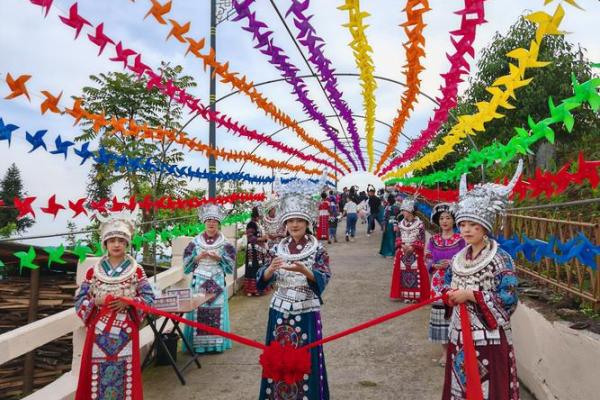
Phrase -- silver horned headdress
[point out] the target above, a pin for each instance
(485, 201)
(117, 224)
(211, 211)
(295, 199)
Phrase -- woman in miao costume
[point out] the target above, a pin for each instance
(410, 279)
(482, 276)
(323, 221)
(255, 253)
(391, 217)
(299, 266)
(274, 230)
(439, 251)
(110, 363)
(209, 257)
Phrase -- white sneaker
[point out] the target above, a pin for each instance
(368, 235)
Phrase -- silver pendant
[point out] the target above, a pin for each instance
(299, 247)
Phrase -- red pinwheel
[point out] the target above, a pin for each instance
(24, 206)
(100, 39)
(78, 207)
(45, 4)
(99, 206)
(74, 20)
(53, 207)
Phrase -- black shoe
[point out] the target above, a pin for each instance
(347, 238)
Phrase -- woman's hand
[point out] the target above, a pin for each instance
(302, 269)
(460, 296)
(117, 305)
(99, 300)
(276, 264)
(200, 256)
(296, 267)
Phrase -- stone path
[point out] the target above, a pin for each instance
(390, 361)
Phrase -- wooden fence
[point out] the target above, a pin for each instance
(572, 278)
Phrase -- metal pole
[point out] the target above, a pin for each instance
(212, 127)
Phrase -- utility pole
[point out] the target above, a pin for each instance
(212, 127)
(220, 10)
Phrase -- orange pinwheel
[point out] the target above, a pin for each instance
(17, 86)
(177, 31)
(242, 84)
(413, 27)
(76, 112)
(194, 47)
(50, 103)
(158, 11)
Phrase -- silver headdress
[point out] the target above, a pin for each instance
(485, 201)
(408, 204)
(440, 208)
(117, 224)
(211, 211)
(295, 199)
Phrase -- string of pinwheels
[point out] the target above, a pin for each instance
(87, 207)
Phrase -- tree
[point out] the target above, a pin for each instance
(123, 95)
(11, 186)
(553, 81)
(71, 241)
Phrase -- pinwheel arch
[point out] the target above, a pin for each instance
(343, 151)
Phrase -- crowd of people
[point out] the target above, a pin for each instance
(461, 263)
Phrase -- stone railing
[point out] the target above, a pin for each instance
(31, 336)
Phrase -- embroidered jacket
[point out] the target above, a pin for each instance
(492, 278)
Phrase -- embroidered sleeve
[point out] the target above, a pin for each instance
(321, 271)
(261, 283)
(189, 254)
(429, 255)
(420, 241)
(144, 292)
(228, 258)
(497, 305)
(85, 306)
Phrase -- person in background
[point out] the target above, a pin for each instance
(333, 219)
(323, 221)
(255, 253)
(374, 208)
(362, 209)
(343, 197)
(483, 277)
(110, 362)
(350, 212)
(391, 218)
(439, 251)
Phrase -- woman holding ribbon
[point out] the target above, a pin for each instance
(110, 362)
(483, 277)
(299, 266)
(440, 249)
(209, 257)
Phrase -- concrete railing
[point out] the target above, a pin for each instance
(554, 361)
(31, 336)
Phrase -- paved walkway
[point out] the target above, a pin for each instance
(389, 361)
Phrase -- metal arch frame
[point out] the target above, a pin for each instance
(345, 74)
(307, 146)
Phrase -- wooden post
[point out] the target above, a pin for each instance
(29, 367)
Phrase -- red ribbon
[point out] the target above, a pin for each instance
(471, 364)
(298, 360)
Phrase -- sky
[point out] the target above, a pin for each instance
(45, 48)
